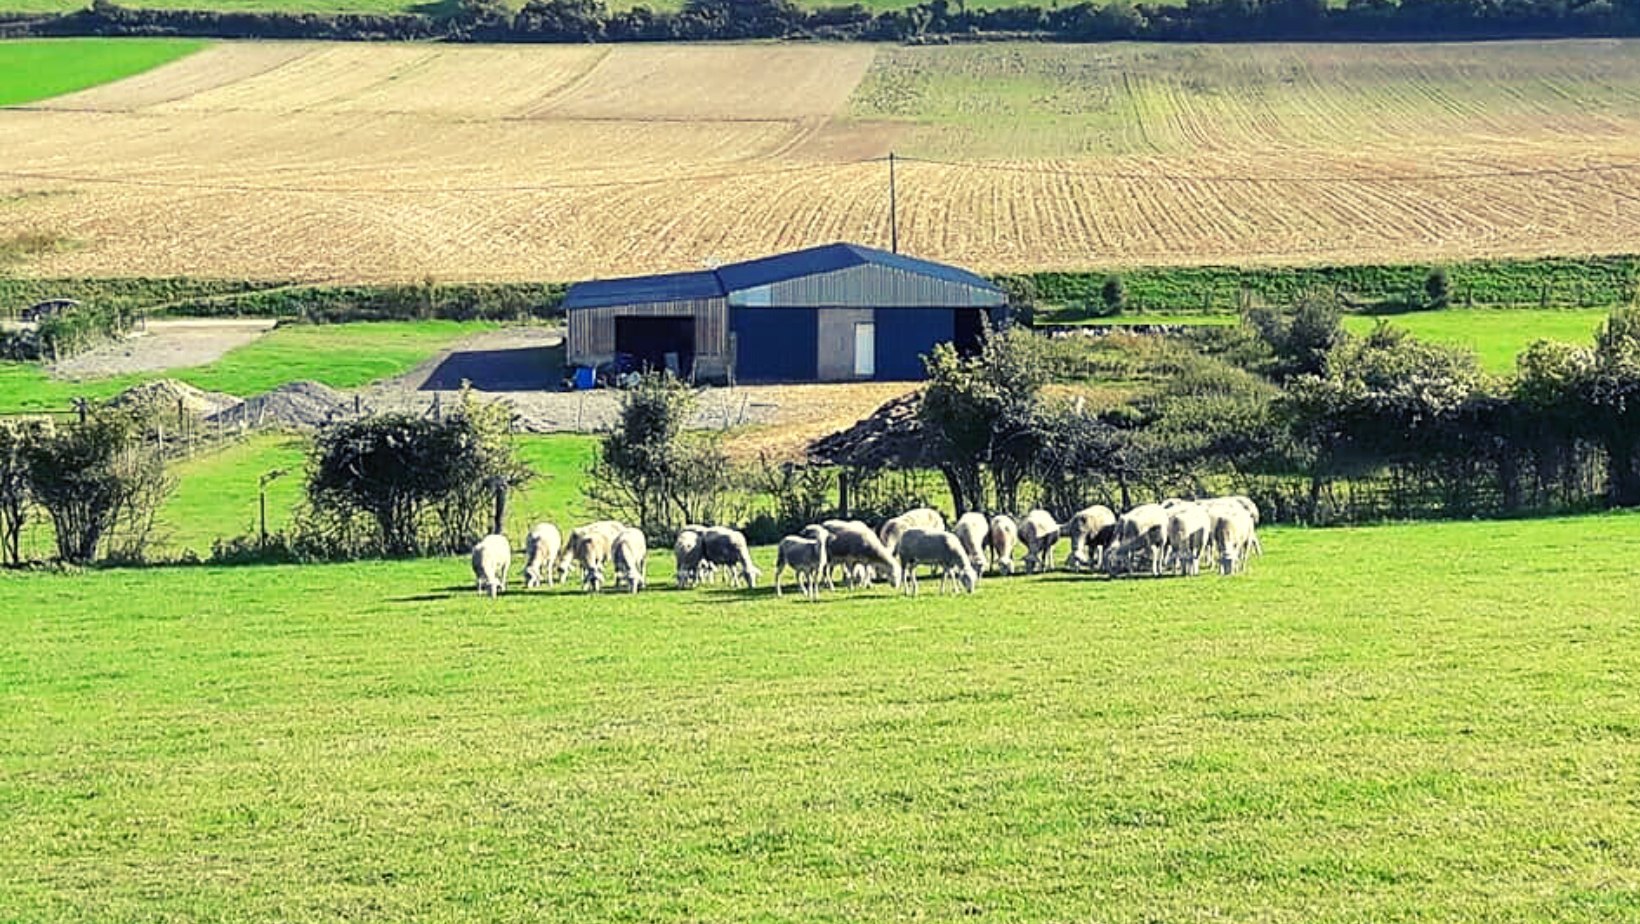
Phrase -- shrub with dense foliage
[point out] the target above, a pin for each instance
(101, 480)
(653, 472)
(405, 484)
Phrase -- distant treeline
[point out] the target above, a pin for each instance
(940, 20)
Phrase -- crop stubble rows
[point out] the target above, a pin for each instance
(403, 162)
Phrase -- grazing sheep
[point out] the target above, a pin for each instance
(806, 556)
(1039, 532)
(570, 556)
(858, 550)
(941, 549)
(973, 531)
(492, 556)
(1004, 536)
(920, 518)
(1234, 536)
(541, 547)
(726, 547)
(1188, 528)
(589, 547)
(686, 553)
(630, 550)
(1142, 530)
(1090, 531)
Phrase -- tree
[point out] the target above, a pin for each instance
(1596, 394)
(981, 415)
(1113, 295)
(97, 478)
(1300, 338)
(1437, 290)
(651, 470)
(421, 483)
(15, 437)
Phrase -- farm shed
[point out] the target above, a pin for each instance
(839, 312)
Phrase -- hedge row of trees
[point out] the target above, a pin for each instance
(1292, 410)
(593, 21)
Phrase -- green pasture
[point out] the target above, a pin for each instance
(1411, 723)
(338, 355)
(1496, 336)
(33, 70)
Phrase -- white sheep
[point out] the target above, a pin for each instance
(727, 548)
(859, 551)
(919, 518)
(940, 549)
(1234, 536)
(1188, 529)
(806, 556)
(1039, 532)
(541, 548)
(686, 552)
(631, 551)
(973, 531)
(570, 555)
(1004, 536)
(492, 556)
(1142, 530)
(1090, 531)
(589, 547)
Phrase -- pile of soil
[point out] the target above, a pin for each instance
(892, 435)
(164, 396)
(302, 405)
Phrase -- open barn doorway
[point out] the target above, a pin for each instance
(655, 344)
(968, 329)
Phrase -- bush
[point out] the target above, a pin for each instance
(101, 482)
(1113, 295)
(414, 484)
(1437, 291)
(651, 471)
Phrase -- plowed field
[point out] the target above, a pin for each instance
(375, 162)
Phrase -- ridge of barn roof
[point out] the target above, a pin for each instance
(828, 258)
(632, 290)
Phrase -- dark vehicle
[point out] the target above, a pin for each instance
(42, 310)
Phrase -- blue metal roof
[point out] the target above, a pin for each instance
(637, 290)
(829, 258)
(735, 277)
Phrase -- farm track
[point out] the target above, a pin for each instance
(344, 162)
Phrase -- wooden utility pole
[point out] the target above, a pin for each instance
(893, 209)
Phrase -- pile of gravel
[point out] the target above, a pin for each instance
(164, 396)
(299, 405)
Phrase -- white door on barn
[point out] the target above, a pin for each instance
(865, 350)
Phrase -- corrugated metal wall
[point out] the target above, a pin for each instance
(905, 334)
(592, 330)
(772, 346)
(866, 286)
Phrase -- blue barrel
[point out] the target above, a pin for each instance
(585, 377)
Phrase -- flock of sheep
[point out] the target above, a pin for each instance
(1172, 536)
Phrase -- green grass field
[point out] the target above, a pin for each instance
(1411, 723)
(338, 355)
(1497, 337)
(34, 70)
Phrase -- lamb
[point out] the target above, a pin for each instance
(853, 545)
(492, 556)
(1142, 530)
(727, 547)
(1234, 536)
(920, 518)
(806, 556)
(1090, 530)
(630, 551)
(1188, 528)
(1039, 532)
(1004, 535)
(972, 530)
(541, 547)
(941, 549)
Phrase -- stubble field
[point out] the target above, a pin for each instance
(370, 162)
